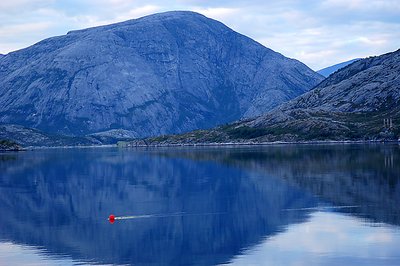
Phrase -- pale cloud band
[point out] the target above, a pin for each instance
(318, 33)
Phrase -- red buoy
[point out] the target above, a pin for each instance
(111, 218)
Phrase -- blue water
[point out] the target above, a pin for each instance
(273, 205)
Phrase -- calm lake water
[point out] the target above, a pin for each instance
(274, 205)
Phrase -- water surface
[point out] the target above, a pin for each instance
(272, 205)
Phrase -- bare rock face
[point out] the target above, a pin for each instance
(165, 73)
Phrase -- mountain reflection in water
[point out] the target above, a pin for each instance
(231, 199)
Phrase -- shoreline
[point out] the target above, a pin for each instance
(30, 148)
(227, 144)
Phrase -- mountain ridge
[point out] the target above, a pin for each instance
(165, 73)
(327, 71)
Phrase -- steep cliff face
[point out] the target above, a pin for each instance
(165, 73)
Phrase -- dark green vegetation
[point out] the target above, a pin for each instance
(321, 127)
(8, 145)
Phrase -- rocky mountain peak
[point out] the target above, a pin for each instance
(165, 73)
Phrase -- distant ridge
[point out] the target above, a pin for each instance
(331, 69)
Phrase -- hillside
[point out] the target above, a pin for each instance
(351, 104)
(161, 74)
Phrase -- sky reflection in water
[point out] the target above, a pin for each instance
(276, 205)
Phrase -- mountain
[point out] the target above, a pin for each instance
(164, 73)
(331, 69)
(350, 104)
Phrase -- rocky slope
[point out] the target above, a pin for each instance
(351, 104)
(331, 69)
(165, 73)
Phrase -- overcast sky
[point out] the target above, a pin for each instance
(318, 33)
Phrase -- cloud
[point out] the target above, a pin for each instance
(363, 5)
(323, 46)
(218, 12)
(316, 35)
(95, 20)
(323, 239)
(29, 256)
(13, 5)
(319, 33)
(16, 36)
(23, 29)
(139, 12)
